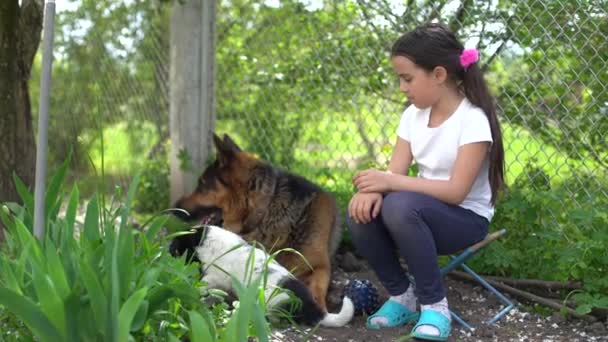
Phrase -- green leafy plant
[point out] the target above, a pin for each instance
(153, 191)
(555, 232)
(105, 280)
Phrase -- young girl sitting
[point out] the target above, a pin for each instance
(452, 133)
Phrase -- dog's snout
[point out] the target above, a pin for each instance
(178, 204)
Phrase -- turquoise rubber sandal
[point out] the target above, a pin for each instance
(395, 313)
(437, 320)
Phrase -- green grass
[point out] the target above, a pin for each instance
(521, 148)
(126, 148)
(331, 149)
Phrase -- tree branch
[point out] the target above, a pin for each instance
(486, 65)
(436, 11)
(505, 38)
(545, 284)
(482, 32)
(529, 296)
(383, 9)
(409, 15)
(367, 16)
(389, 15)
(456, 23)
(224, 32)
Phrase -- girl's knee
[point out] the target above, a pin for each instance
(357, 230)
(398, 207)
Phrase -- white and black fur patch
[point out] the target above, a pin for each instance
(210, 245)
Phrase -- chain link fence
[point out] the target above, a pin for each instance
(110, 89)
(308, 87)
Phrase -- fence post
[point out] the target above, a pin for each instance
(43, 119)
(191, 108)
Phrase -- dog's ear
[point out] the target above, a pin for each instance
(218, 142)
(226, 150)
(230, 144)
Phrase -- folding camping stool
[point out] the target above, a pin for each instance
(458, 261)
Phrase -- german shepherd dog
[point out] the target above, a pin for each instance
(273, 207)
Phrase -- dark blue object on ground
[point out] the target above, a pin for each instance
(363, 294)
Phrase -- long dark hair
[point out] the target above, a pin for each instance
(433, 45)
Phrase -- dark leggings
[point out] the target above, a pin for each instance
(420, 227)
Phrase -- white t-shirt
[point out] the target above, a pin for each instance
(435, 149)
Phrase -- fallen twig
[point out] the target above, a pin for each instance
(545, 284)
(529, 296)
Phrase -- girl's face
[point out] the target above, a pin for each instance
(421, 87)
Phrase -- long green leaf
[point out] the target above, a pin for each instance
(259, 323)
(131, 192)
(9, 279)
(209, 320)
(127, 312)
(70, 213)
(199, 330)
(52, 197)
(5, 217)
(140, 316)
(155, 226)
(74, 313)
(52, 213)
(150, 277)
(113, 283)
(22, 265)
(238, 326)
(160, 295)
(50, 301)
(125, 255)
(29, 242)
(91, 221)
(172, 338)
(24, 193)
(96, 294)
(56, 271)
(31, 315)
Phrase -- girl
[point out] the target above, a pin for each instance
(452, 133)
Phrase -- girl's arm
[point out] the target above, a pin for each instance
(401, 158)
(453, 191)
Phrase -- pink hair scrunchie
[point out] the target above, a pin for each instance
(468, 57)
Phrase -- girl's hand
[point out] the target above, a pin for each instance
(373, 181)
(364, 207)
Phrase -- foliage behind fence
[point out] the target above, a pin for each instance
(308, 86)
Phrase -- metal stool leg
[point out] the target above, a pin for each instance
(458, 261)
(484, 283)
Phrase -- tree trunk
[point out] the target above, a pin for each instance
(20, 28)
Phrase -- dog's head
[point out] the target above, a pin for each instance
(222, 185)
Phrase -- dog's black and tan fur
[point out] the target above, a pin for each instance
(273, 207)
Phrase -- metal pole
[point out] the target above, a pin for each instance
(43, 118)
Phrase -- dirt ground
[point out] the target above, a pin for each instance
(473, 303)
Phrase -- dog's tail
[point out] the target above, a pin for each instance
(342, 318)
(310, 313)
